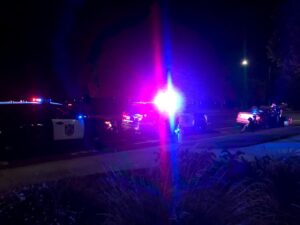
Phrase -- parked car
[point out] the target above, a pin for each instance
(29, 124)
(192, 121)
(263, 117)
(100, 125)
(144, 117)
(140, 117)
(99, 129)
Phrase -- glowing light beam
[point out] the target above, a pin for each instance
(168, 101)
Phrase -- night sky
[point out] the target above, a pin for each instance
(63, 49)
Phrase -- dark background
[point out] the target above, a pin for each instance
(74, 48)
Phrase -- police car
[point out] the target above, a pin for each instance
(29, 123)
(144, 117)
(140, 117)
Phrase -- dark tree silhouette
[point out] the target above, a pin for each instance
(283, 52)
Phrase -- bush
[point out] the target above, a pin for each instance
(209, 190)
(64, 202)
(198, 189)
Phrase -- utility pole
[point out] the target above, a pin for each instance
(245, 64)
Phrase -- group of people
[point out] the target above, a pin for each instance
(271, 117)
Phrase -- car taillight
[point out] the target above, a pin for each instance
(126, 117)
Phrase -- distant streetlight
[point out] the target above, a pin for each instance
(245, 62)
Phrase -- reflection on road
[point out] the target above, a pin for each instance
(224, 137)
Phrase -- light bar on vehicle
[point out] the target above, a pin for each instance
(18, 102)
(26, 102)
(36, 99)
(168, 101)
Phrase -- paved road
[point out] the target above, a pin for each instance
(137, 142)
(221, 124)
(115, 145)
(253, 144)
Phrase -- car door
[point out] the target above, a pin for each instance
(65, 125)
(186, 120)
